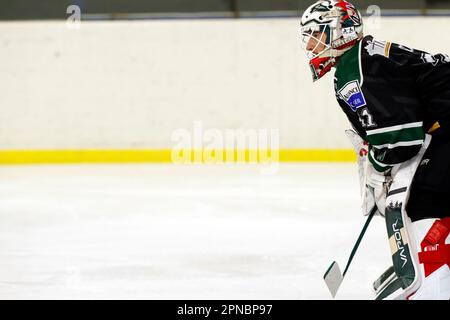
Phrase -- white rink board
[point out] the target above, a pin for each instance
(130, 84)
(183, 232)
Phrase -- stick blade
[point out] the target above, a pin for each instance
(333, 278)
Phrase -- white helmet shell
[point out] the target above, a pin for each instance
(329, 28)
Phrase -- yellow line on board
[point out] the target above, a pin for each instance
(317, 155)
(165, 156)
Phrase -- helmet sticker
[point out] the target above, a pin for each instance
(349, 32)
(324, 6)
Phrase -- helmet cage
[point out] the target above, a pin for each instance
(314, 36)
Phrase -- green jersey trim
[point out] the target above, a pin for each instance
(397, 136)
(349, 67)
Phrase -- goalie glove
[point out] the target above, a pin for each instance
(374, 185)
(377, 186)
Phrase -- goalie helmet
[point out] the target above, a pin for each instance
(328, 29)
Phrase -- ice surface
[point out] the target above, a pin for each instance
(183, 232)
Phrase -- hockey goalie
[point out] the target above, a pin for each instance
(397, 100)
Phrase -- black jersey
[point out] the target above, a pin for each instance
(392, 96)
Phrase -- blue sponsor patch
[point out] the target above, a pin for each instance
(352, 94)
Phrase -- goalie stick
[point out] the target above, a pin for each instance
(333, 276)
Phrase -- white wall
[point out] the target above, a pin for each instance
(131, 84)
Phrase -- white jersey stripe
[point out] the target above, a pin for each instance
(395, 128)
(361, 74)
(399, 144)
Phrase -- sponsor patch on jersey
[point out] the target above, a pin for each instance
(435, 59)
(352, 94)
(381, 48)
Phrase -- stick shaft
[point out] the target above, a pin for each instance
(361, 235)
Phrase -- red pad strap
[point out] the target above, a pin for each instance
(435, 253)
(441, 255)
